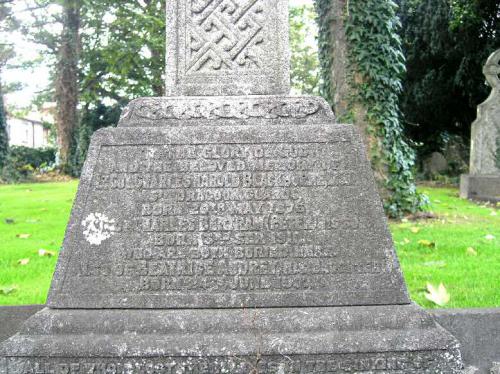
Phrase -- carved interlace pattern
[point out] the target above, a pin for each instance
(230, 109)
(225, 35)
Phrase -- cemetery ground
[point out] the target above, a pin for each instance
(456, 244)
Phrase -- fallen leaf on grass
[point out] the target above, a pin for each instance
(415, 230)
(32, 221)
(7, 290)
(489, 237)
(405, 241)
(45, 253)
(23, 236)
(493, 213)
(471, 251)
(10, 221)
(438, 295)
(427, 243)
(23, 261)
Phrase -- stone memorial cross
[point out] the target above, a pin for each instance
(483, 182)
(228, 228)
(219, 47)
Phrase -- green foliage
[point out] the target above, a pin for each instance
(4, 141)
(93, 119)
(122, 58)
(8, 23)
(23, 161)
(446, 44)
(377, 66)
(304, 59)
(123, 50)
(325, 39)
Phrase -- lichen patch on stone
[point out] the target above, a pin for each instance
(97, 228)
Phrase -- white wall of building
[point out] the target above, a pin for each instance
(27, 133)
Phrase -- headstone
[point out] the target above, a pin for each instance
(228, 234)
(483, 182)
(435, 164)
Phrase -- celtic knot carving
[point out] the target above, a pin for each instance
(157, 110)
(225, 35)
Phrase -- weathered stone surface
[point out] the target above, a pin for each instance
(395, 339)
(485, 151)
(12, 317)
(485, 148)
(226, 111)
(478, 331)
(480, 187)
(220, 47)
(435, 164)
(215, 217)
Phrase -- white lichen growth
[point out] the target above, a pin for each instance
(98, 228)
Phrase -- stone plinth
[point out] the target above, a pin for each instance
(236, 341)
(480, 187)
(483, 182)
(227, 247)
(227, 216)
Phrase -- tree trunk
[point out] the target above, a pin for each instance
(341, 90)
(4, 139)
(342, 77)
(158, 83)
(67, 81)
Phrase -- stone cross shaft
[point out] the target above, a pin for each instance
(485, 150)
(227, 47)
(483, 182)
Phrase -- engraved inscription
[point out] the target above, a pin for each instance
(225, 35)
(231, 217)
(407, 362)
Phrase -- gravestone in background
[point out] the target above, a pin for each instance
(483, 182)
(228, 234)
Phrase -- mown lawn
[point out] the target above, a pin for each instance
(460, 247)
(40, 211)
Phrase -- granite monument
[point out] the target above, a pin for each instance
(217, 233)
(483, 182)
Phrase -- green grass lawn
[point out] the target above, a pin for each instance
(34, 217)
(41, 211)
(437, 251)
